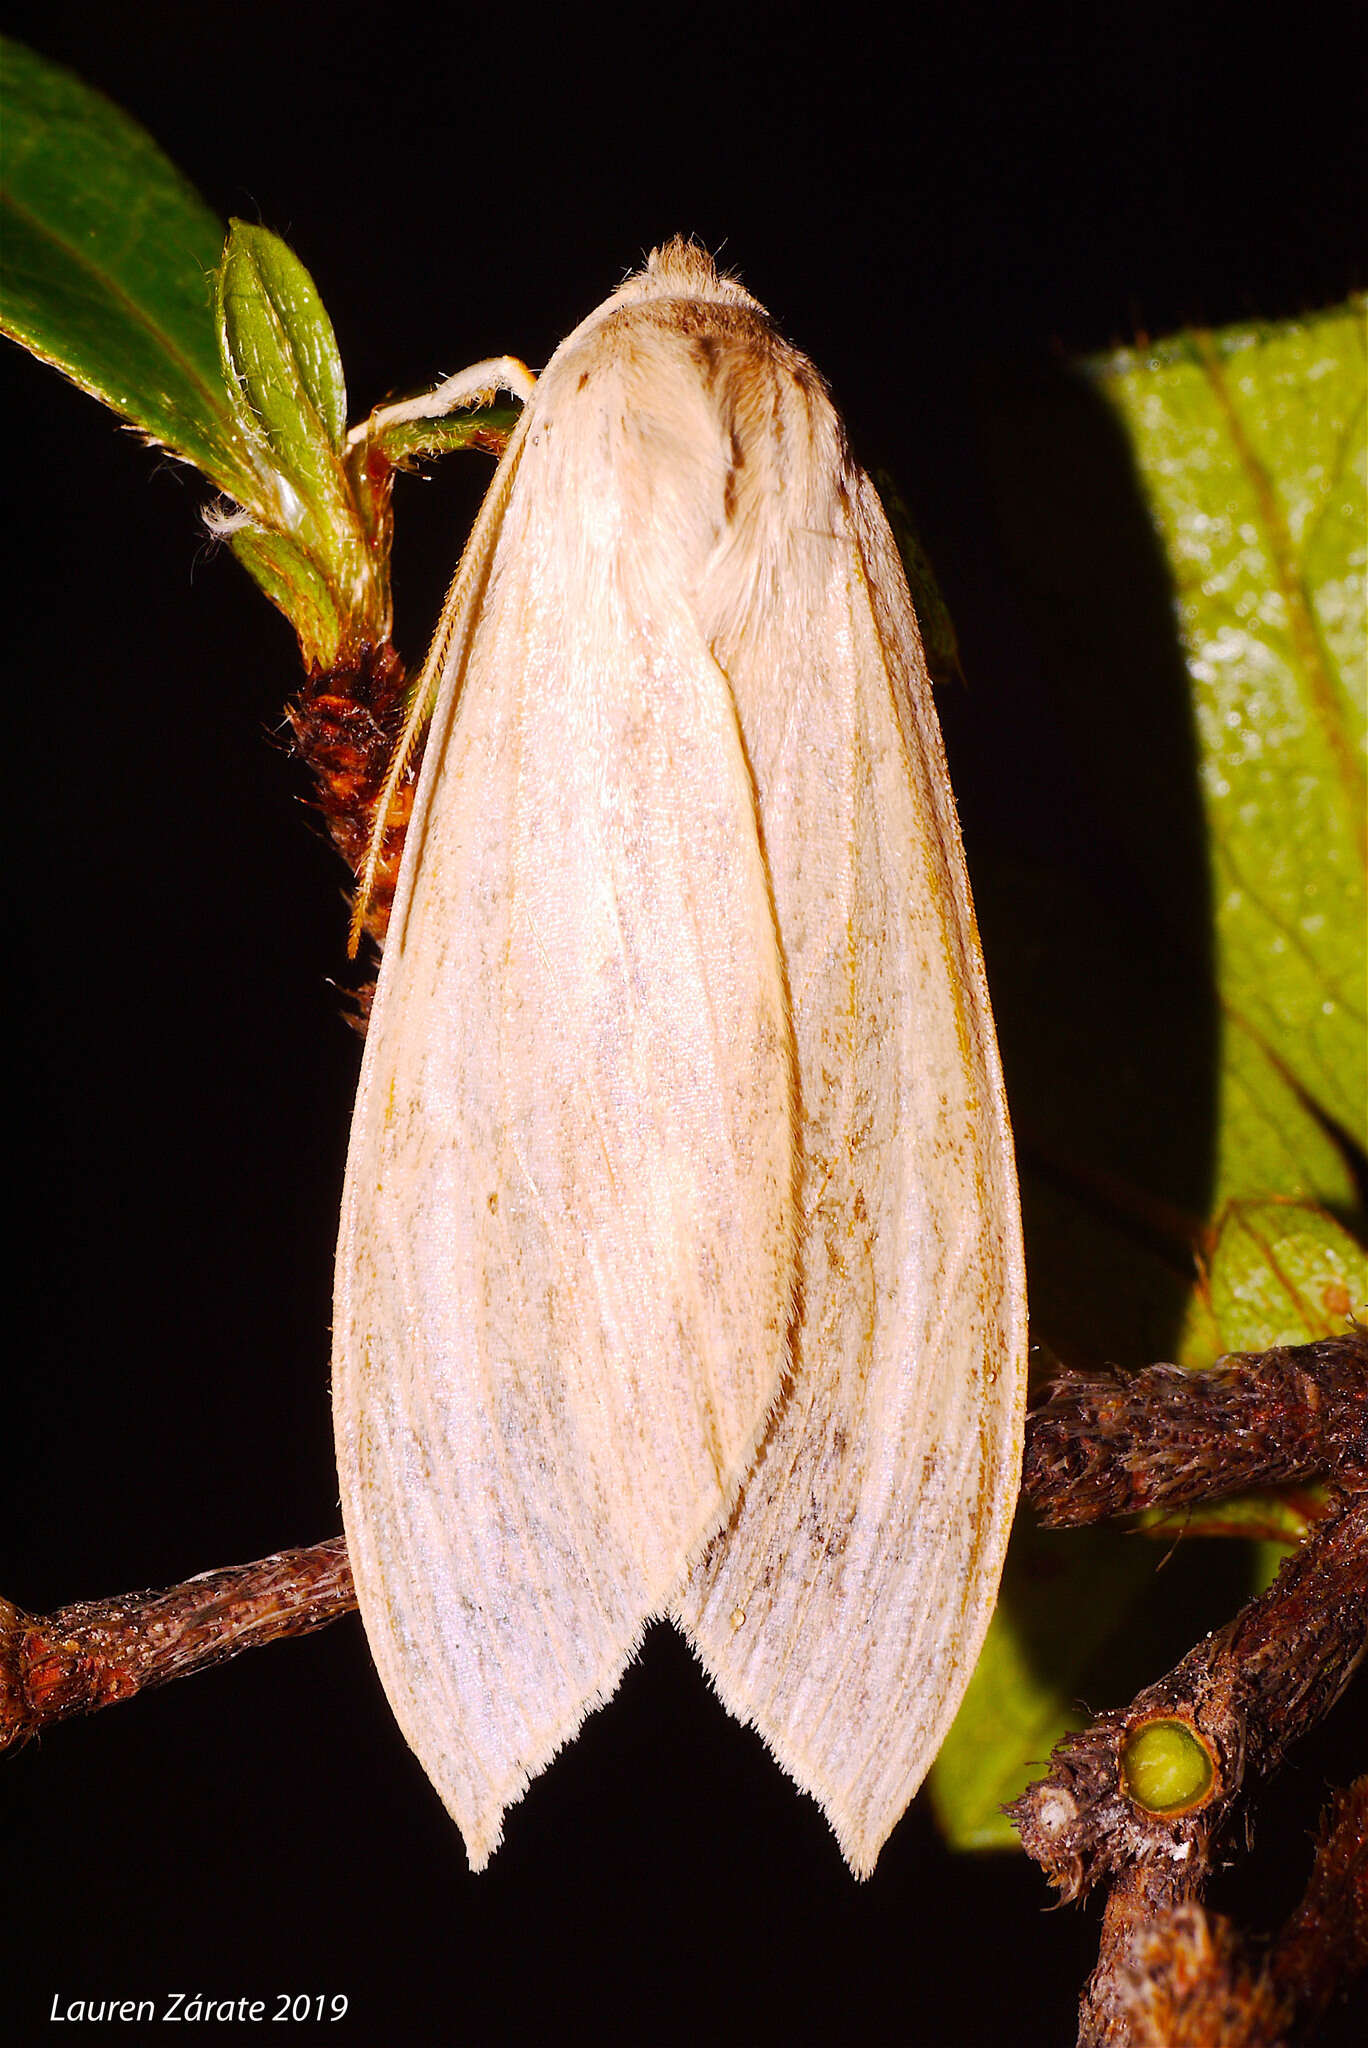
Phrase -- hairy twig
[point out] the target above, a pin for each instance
(1169, 1973)
(1178, 1976)
(1248, 1693)
(1325, 1942)
(98, 1651)
(1111, 1443)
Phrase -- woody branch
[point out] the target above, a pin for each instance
(1097, 1445)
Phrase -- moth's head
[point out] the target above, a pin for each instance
(681, 269)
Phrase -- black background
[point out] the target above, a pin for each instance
(915, 198)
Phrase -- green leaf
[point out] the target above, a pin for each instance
(1250, 445)
(1275, 1519)
(115, 271)
(1266, 1134)
(1163, 1102)
(283, 372)
(297, 587)
(1279, 1273)
(108, 262)
(280, 355)
(1062, 1598)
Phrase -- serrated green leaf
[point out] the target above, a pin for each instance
(1144, 1105)
(107, 258)
(1250, 447)
(1279, 1273)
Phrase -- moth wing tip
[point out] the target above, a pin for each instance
(861, 1846)
(860, 1839)
(480, 1847)
(482, 1827)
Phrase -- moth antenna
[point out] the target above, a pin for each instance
(452, 617)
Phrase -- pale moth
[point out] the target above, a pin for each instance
(680, 1269)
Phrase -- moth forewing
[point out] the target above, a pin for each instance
(680, 1268)
(842, 1610)
(565, 1270)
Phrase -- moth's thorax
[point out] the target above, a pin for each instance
(712, 439)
